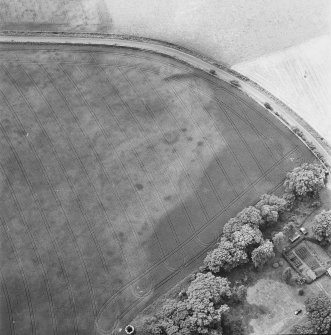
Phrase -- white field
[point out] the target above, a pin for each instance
(301, 77)
(226, 30)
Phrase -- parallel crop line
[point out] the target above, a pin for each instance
(94, 152)
(36, 199)
(78, 158)
(8, 303)
(201, 163)
(100, 162)
(138, 159)
(86, 219)
(210, 145)
(163, 134)
(129, 109)
(46, 175)
(184, 243)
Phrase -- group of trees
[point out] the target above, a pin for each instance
(242, 237)
(199, 311)
(306, 181)
(319, 316)
(270, 207)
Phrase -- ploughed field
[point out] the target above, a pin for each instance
(118, 169)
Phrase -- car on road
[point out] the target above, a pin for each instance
(298, 311)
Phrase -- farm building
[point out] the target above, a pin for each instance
(308, 259)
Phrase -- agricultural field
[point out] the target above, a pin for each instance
(301, 77)
(118, 169)
(228, 31)
(59, 15)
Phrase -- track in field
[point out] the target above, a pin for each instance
(118, 170)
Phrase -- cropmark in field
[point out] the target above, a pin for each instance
(118, 170)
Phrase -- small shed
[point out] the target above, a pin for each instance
(311, 274)
(294, 237)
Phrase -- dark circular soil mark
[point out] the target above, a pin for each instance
(139, 186)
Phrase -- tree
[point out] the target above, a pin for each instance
(232, 325)
(225, 256)
(271, 207)
(318, 310)
(289, 230)
(279, 241)
(249, 215)
(306, 328)
(289, 197)
(322, 226)
(231, 226)
(305, 180)
(197, 314)
(149, 325)
(206, 285)
(173, 318)
(239, 293)
(247, 236)
(203, 295)
(287, 275)
(319, 313)
(263, 253)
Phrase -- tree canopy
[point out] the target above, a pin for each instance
(249, 215)
(198, 313)
(225, 256)
(305, 180)
(263, 253)
(279, 241)
(287, 275)
(289, 229)
(234, 224)
(319, 313)
(306, 329)
(271, 207)
(318, 310)
(247, 236)
(322, 226)
(203, 295)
